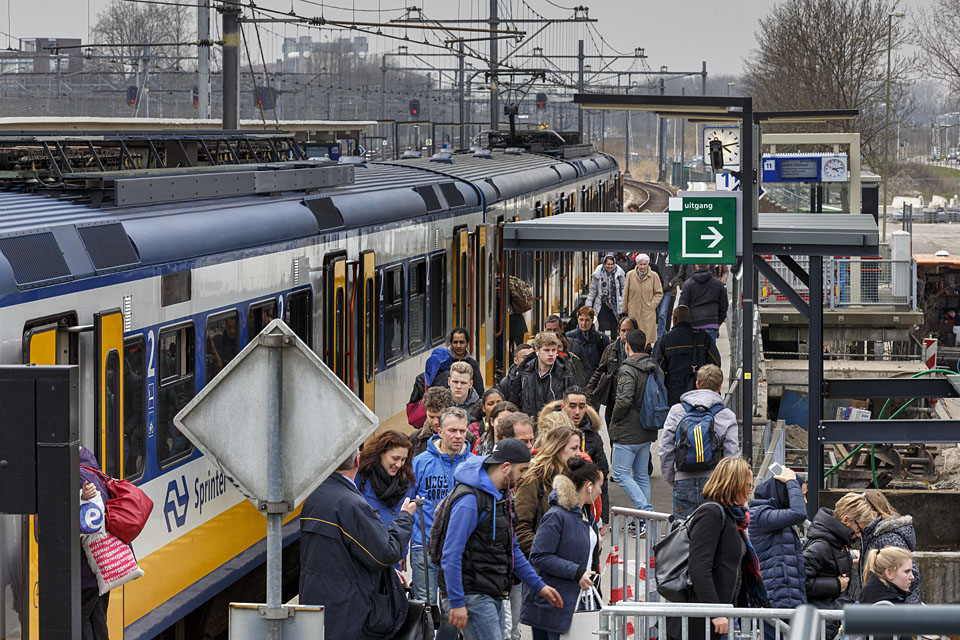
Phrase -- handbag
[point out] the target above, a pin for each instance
(601, 392)
(586, 616)
(416, 413)
(419, 623)
(671, 557)
(128, 507)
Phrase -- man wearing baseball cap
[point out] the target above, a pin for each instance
(480, 552)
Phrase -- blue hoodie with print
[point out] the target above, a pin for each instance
(463, 522)
(434, 473)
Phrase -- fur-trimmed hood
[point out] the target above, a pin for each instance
(564, 493)
(892, 524)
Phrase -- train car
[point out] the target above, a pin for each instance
(151, 273)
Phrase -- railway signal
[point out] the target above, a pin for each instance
(196, 97)
(132, 96)
(414, 107)
(541, 101)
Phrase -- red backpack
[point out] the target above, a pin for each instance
(128, 507)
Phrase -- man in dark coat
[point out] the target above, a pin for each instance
(681, 352)
(459, 345)
(587, 420)
(591, 342)
(347, 558)
(519, 354)
(602, 386)
(542, 377)
(706, 298)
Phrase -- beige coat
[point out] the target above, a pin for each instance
(640, 300)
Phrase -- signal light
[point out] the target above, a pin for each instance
(132, 96)
(414, 107)
(541, 101)
(196, 97)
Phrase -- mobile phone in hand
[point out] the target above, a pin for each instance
(775, 468)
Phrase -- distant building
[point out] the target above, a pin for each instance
(297, 50)
(40, 55)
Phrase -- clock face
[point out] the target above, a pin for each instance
(834, 169)
(729, 137)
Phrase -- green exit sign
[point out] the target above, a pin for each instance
(703, 229)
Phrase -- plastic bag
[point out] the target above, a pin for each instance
(110, 558)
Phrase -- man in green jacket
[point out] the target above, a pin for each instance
(631, 439)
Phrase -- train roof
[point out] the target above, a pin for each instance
(46, 240)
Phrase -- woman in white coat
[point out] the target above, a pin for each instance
(606, 294)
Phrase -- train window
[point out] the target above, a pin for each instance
(111, 417)
(369, 307)
(177, 388)
(258, 316)
(417, 309)
(463, 292)
(438, 298)
(482, 287)
(537, 210)
(392, 314)
(222, 343)
(134, 414)
(300, 315)
(175, 288)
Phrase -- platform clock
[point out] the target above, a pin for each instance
(729, 137)
(834, 169)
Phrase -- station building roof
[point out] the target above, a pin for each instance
(840, 234)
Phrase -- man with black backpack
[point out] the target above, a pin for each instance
(681, 353)
(638, 412)
(698, 432)
(477, 547)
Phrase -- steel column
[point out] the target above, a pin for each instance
(747, 153)
(815, 386)
(886, 431)
(231, 66)
(783, 286)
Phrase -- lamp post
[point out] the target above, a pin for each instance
(886, 120)
(729, 85)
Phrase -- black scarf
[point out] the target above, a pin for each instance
(389, 490)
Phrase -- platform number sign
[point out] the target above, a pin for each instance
(703, 230)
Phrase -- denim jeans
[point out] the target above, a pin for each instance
(419, 579)
(663, 312)
(687, 496)
(484, 617)
(710, 331)
(511, 613)
(628, 466)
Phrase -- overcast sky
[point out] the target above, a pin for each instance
(676, 33)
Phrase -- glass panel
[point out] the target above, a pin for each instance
(259, 316)
(438, 298)
(174, 288)
(134, 416)
(393, 314)
(111, 415)
(176, 390)
(368, 332)
(300, 315)
(340, 335)
(416, 313)
(222, 343)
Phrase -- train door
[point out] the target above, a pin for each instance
(480, 271)
(335, 315)
(366, 330)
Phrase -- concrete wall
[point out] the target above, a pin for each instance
(941, 576)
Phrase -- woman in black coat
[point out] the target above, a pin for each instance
(826, 556)
(566, 549)
(720, 551)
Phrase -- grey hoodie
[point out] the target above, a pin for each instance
(724, 427)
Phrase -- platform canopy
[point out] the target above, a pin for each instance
(802, 234)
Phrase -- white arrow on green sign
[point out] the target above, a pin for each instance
(703, 229)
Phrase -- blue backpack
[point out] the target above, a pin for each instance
(697, 447)
(654, 406)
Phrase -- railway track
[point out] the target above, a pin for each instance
(649, 196)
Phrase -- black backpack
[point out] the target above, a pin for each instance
(441, 517)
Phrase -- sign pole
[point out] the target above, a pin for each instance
(275, 505)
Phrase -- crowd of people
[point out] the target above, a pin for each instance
(497, 502)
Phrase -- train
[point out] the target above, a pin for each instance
(149, 259)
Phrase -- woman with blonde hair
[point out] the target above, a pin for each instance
(826, 556)
(889, 572)
(557, 445)
(889, 529)
(723, 566)
(550, 418)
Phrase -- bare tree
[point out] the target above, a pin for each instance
(938, 38)
(124, 29)
(832, 54)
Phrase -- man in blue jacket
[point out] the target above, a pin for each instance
(480, 552)
(434, 469)
(347, 558)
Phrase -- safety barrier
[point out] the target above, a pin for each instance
(635, 620)
(631, 556)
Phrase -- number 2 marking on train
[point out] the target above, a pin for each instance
(151, 343)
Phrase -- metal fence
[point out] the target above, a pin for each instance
(849, 281)
(872, 282)
(732, 397)
(632, 577)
